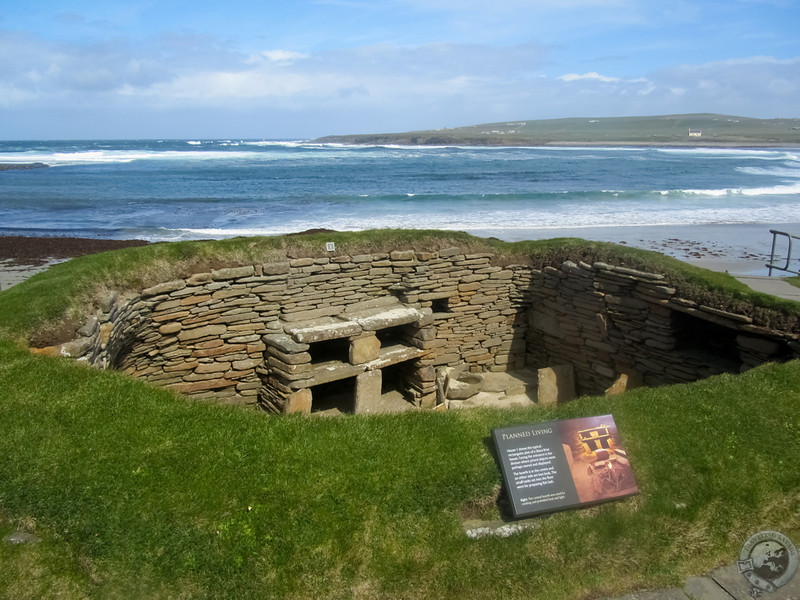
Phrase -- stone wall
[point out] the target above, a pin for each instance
(280, 334)
(250, 333)
(609, 321)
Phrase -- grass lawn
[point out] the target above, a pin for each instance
(136, 492)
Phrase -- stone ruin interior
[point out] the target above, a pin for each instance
(409, 329)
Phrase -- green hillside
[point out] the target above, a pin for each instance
(665, 130)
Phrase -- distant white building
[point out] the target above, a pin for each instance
(695, 133)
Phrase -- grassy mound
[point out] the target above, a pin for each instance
(135, 492)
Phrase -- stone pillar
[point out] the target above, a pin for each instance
(368, 391)
(298, 402)
(364, 349)
(556, 384)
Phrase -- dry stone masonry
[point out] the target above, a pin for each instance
(291, 335)
(616, 325)
(288, 334)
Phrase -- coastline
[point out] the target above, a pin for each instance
(511, 142)
(34, 250)
(693, 130)
(24, 256)
(738, 249)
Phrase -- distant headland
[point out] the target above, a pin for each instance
(689, 130)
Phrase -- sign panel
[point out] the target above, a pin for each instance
(563, 464)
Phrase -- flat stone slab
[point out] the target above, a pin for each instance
(284, 343)
(393, 355)
(325, 328)
(476, 529)
(706, 588)
(491, 400)
(373, 319)
(723, 583)
(511, 383)
(378, 302)
(333, 371)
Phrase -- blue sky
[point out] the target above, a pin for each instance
(306, 68)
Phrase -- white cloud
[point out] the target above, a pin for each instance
(177, 69)
(11, 96)
(384, 86)
(588, 77)
(754, 86)
(283, 56)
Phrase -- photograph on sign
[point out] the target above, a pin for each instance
(563, 464)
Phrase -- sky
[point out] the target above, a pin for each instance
(300, 69)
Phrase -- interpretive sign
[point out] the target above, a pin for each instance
(563, 464)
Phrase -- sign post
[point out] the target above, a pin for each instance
(563, 464)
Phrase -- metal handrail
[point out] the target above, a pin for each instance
(771, 265)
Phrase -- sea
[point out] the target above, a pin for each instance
(167, 190)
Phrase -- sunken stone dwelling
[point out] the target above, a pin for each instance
(291, 335)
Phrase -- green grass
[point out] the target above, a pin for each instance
(137, 493)
(38, 308)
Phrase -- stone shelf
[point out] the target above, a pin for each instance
(393, 355)
(322, 329)
(383, 318)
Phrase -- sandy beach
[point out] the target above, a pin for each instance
(739, 249)
(21, 257)
(736, 249)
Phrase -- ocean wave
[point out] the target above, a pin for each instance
(788, 169)
(231, 187)
(530, 219)
(232, 149)
(774, 190)
(229, 151)
(278, 143)
(764, 154)
(70, 158)
(567, 218)
(89, 157)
